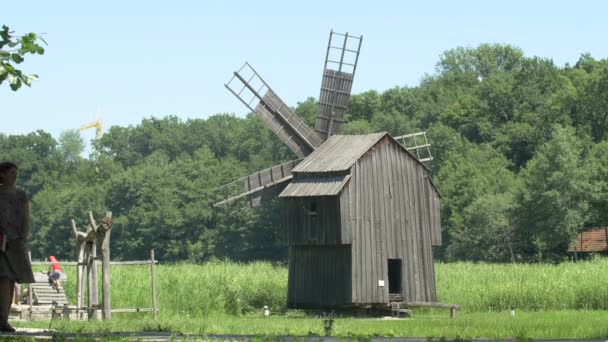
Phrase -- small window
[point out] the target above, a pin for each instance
(312, 221)
(312, 208)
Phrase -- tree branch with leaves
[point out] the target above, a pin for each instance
(12, 51)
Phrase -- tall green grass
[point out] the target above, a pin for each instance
(188, 290)
(492, 287)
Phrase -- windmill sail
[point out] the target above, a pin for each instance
(340, 65)
(418, 144)
(289, 127)
(258, 186)
(247, 85)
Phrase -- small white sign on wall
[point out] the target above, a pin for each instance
(381, 283)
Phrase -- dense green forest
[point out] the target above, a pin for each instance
(520, 150)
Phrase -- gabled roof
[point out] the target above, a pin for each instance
(316, 186)
(340, 152)
(595, 240)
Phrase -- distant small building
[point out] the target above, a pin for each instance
(591, 241)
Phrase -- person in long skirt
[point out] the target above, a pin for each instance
(15, 265)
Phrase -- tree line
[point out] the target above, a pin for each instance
(520, 150)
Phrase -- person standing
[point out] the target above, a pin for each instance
(15, 266)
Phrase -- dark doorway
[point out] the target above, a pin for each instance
(394, 276)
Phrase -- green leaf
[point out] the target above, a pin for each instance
(4, 34)
(17, 58)
(11, 69)
(16, 85)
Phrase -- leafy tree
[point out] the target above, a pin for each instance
(553, 201)
(596, 168)
(363, 106)
(592, 107)
(54, 207)
(467, 174)
(71, 145)
(487, 233)
(12, 52)
(308, 110)
(38, 159)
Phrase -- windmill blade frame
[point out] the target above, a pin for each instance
(287, 125)
(336, 84)
(412, 143)
(253, 186)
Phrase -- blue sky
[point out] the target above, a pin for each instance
(129, 60)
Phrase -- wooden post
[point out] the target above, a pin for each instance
(80, 247)
(30, 297)
(106, 226)
(93, 287)
(452, 312)
(153, 271)
(80, 278)
(65, 313)
(87, 259)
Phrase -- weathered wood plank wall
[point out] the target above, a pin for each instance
(319, 276)
(322, 228)
(390, 217)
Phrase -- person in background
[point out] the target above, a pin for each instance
(54, 272)
(15, 266)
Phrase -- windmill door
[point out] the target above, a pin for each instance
(395, 289)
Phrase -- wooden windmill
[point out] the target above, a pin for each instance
(360, 211)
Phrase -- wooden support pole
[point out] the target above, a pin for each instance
(105, 269)
(87, 259)
(93, 282)
(153, 271)
(30, 297)
(90, 256)
(74, 230)
(81, 245)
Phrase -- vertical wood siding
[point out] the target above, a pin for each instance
(434, 210)
(392, 214)
(306, 229)
(319, 276)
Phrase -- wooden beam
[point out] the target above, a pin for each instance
(250, 192)
(105, 266)
(155, 310)
(75, 263)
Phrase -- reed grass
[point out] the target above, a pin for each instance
(223, 287)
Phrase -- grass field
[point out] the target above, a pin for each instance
(553, 301)
(543, 324)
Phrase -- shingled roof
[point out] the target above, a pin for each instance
(340, 152)
(595, 240)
